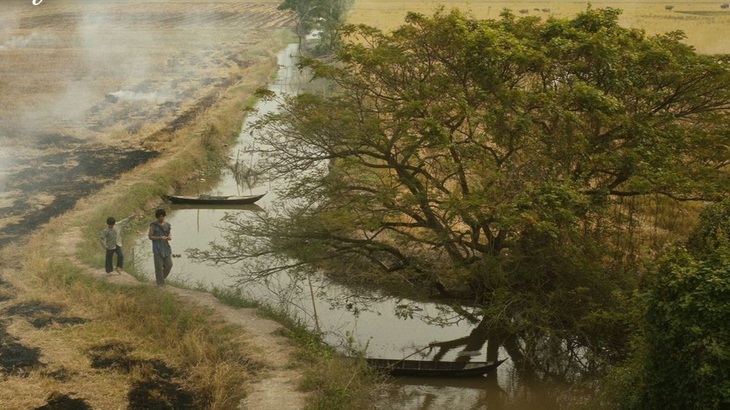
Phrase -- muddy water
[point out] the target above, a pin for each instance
(382, 327)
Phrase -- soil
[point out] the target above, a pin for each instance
(82, 107)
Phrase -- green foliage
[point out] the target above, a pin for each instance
(714, 225)
(688, 334)
(682, 359)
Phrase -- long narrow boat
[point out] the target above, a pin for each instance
(430, 368)
(214, 199)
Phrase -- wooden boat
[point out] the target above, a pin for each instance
(214, 199)
(237, 207)
(430, 368)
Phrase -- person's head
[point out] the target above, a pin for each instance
(160, 213)
(110, 221)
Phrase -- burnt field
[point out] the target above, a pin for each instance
(91, 90)
(49, 179)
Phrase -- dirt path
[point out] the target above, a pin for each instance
(276, 389)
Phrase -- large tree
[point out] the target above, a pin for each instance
(481, 157)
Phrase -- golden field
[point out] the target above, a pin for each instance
(705, 24)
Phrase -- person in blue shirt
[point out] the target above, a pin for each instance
(159, 234)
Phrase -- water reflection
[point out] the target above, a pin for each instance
(423, 394)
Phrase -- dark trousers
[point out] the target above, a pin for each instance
(110, 255)
(163, 266)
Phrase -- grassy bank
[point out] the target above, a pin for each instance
(132, 334)
(334, 382)
(146, 332)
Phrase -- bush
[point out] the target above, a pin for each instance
(687, 363)
(714, 223)
(682, 359)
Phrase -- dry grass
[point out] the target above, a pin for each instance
(706, 30)
(61, 71)
(153, 322)
(210, 356)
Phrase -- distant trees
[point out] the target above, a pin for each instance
(481, 159)
(323, 16)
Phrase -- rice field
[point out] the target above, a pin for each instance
(706, 24)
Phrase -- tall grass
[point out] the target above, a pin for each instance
(209, 350)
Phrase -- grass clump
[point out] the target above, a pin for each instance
(336, 382)
(333, 381)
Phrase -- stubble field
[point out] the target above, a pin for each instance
(89, 90)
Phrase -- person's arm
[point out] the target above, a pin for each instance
(151, 235)
(125, 220)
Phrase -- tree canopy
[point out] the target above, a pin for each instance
(482, 157)
(459, 135)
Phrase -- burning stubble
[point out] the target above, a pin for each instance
(86, 69)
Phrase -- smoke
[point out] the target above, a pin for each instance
(124, 51)
(156, 97)
(33, 40)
